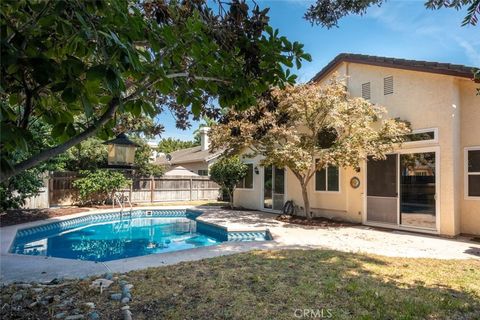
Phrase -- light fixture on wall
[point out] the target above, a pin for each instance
(256, 170)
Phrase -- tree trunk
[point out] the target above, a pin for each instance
(230, 195)
(306, 202)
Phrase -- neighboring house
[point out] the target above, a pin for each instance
(153, 144)
(431, 184)
(197, 159)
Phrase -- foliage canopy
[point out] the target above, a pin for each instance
(308, 127)
(82, 66)
(327, 12)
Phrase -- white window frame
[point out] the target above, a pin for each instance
(198, 172)
(420, 142)
(253, 178)
(326, 181)
(466, 173)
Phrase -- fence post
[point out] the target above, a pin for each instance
(191, 189)
(130, 191)
(152, 185)
(50, 188)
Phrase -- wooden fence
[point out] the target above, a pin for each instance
(60, 190)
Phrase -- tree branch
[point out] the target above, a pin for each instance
(186, 75)
(90, 131)
(47, 154)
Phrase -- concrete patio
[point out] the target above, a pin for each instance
(362, 239)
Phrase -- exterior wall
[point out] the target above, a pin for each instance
(251, 198)
(426, 100)
(193, 166)
(470, 137)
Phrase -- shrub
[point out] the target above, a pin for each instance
(17, 189)
(227, 172)
(99, 186)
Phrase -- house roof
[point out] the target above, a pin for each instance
(180, 171)
(194, 154)
(456, 70)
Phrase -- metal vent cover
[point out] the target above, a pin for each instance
(388, 85)
(366, 91)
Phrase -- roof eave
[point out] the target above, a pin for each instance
(332, 65)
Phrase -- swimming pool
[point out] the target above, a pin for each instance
(113, 236)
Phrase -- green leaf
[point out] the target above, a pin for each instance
(69, 95)
(87, 106)
(13, 99)
(97, 72)
(58, 129)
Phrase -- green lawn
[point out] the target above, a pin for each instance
(280, 284)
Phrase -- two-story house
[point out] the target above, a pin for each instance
(431, 184)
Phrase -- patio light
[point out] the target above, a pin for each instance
(121, 151)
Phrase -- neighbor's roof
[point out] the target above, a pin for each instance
(194, 154)
(180, 171)
(456, 70)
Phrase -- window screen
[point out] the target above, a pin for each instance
(382, 177)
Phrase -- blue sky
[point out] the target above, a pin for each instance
(400, 29)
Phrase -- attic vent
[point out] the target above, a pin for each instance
(388, 85)
(366, 90)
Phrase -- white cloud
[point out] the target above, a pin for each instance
(470, 51)
(440, 30)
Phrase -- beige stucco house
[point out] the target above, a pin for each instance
(431, 184)
(196, 159)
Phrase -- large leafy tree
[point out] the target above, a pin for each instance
(81, 66)
(169, 145)
(308, 127)
(328, 12)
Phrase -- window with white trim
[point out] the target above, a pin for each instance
(247, 181)
(202, 172)
(472, 169)
(327, 179)
(422, 136)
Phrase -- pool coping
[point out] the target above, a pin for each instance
(27, 267)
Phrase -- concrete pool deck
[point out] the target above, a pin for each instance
(363, 239)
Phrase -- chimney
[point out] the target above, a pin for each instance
(205, 143)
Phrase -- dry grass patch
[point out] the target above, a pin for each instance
(273, 284)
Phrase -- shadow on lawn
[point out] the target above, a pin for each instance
(474, 251)
(273, 284)
(277, 284)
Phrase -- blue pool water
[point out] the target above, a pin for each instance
(111, 236)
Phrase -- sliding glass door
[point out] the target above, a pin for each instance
(273, 188)
(417, 189)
